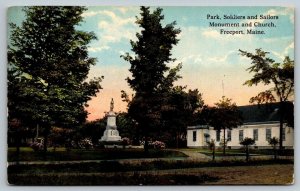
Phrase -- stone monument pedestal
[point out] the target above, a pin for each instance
(111, 134)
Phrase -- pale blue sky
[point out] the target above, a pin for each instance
(208, 57)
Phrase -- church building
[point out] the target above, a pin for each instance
(260, 122)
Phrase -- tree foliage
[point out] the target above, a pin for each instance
(224, 115)
(274, 142)
(266, 71)
(263, 97)
(93, 129)
(246, 143)
(151, 77)
(48, 67)
(178, 111)
(127, 127)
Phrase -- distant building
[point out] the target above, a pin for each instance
(261, 122)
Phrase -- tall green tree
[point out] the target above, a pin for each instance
(224, 115)
(178, 111)
(93, 129)
(150, 74)
(127, 127)
(48, 62)
(280, 75)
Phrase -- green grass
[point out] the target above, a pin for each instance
(98, 154)
(29, 149)
(117, 179)
(116, 166)
(241, 152)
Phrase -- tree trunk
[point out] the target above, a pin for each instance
(213, 153)
(275, 152)
(46, 133)
(177, 140)
(146, 145)
(224, 141)
(18, 145)
(247, 153)
(281, 113)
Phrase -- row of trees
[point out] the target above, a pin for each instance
(48, 65)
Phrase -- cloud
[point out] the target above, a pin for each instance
(113, 28)
(211, 33)
(285, 52)
(192, 59)
(218, 58)
(288, 11)
(90, 13)
(125, 10)
(98, 49)
(114, 25)
(290, 46)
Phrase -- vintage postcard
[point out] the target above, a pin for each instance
(138, 95)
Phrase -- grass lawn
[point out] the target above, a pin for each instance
(144, 172)
(27, 154)
(153, 173)
(241, 152)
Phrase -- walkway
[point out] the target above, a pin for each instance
(196, 156)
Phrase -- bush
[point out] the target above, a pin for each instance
(86, 143)
(36, 146)
(246, 143)
(126, 141)
(159, 145)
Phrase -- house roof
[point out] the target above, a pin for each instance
(263, 112)
(198, 127)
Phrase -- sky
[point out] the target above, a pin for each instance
(211, 61)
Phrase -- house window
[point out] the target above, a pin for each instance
(255, 134)
(228, 135)
(283, 134)
(206, 137)
(268, 134)
(194, 136)
(241, 135)
(218, 135)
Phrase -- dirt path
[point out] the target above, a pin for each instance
(196, 156)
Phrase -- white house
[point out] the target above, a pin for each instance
(259, 124)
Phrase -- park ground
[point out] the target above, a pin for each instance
(164, 167)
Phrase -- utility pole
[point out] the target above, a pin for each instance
(223, 86)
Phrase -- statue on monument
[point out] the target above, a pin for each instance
(112, 104)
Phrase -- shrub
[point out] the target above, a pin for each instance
(86, 143)
(36, 146)
(212, 146)
(246, 143)
(126, 141)
(274, 142)
(159, 145)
